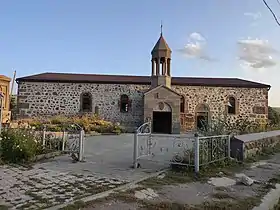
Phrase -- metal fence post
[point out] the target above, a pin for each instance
(135, 150)
(196, 153)
(63, 140)
(83, 148)
(228, 141)
(44, 136)
(81, 145)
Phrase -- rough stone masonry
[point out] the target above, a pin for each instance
(173, 104)
(46, 98)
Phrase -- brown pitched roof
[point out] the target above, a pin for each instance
(3, 77)
(145, 80)
(161, 45)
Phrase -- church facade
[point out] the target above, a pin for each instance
(172, 104)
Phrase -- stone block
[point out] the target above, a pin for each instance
(249, 145)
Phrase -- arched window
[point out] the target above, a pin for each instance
(124, 103)
(231, 105)
(86, 100)
(182, 104)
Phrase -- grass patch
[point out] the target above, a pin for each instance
(76, 205)
(170, 178)
(277, 206)
(223, 195)
(181, 175)
(3, 207)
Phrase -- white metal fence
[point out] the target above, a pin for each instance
(185, 149)
(70, 142)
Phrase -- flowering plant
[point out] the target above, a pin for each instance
(19, 145)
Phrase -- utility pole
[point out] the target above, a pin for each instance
(13, 83)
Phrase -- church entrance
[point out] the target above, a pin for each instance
(162, 122)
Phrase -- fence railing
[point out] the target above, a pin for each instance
(67, 141)
(70, 141)
(184, 149)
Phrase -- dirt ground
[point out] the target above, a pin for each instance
(218, 189)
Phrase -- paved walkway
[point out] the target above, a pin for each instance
(36, 188)
(108, 161)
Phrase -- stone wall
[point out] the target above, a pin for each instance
(64, 98)
(5, 90)
(216, 98)
(249, 145)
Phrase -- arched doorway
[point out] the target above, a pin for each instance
(162, 118)
(202, 115)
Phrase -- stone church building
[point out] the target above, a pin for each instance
(172, 104)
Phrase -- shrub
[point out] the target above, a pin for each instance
(273, 116)
(19, 145)
(88, 122)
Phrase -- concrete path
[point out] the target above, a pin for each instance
(108, 155)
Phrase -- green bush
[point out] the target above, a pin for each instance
(60, 123)
(273, 116)
(19, 145)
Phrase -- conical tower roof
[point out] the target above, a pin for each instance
(161, 45)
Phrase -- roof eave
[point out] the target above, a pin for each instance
(140, 82)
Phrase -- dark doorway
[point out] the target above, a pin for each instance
(162, 122)
(202, 121)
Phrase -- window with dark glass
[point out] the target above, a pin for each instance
(96, 110)
(124, 103)
(182, 104)
(86, 102)
(231, 105)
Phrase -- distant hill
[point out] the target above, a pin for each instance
(277, 109)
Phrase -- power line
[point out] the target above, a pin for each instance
(271, 11)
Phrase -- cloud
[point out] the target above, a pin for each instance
(256, 53)
(196, 48)
(254, 16)
(196, 37)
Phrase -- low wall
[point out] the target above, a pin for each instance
(249, 145)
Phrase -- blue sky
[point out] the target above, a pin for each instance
(116, 37)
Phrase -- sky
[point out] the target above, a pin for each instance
(208, 38)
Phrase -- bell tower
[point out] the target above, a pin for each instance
(161, 60)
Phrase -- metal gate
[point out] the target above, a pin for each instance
(188, 150)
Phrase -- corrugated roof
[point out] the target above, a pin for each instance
(127, 79)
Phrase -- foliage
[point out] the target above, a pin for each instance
(273, 116)
(223, 126)
(13, 107)
(90, 123)
(19, 145)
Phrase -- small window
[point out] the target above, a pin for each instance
(231, 105)
(86, 102)
(124, 103)
(182, 104)
(96, 110)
